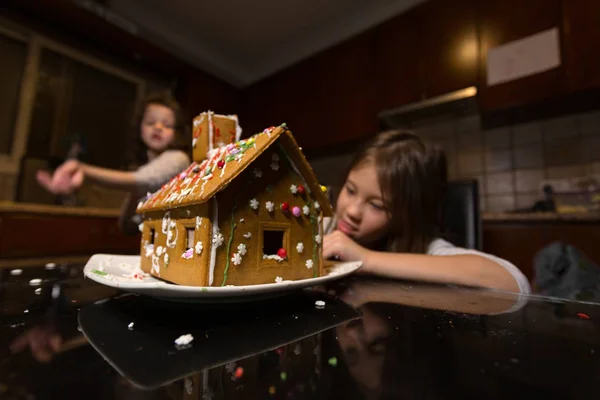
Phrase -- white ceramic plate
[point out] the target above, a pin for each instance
(117, 271)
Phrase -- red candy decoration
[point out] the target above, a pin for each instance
(282, 253)
(221, 164)
(300, 190)
(239, 372)
(285, 206)
(583, 316)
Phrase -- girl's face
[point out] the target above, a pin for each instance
(158, 127)
(361, 212)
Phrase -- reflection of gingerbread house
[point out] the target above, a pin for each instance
(250, 213)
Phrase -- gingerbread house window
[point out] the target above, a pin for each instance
(189, 236)
(274, 240)
(152, 235)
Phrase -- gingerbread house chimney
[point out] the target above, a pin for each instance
(212, 130)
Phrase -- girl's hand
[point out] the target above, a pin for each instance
(66, 179)
(341, 247)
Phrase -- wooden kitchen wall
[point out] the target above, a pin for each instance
(435, 48)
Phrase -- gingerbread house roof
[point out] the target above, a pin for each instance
(201, 181)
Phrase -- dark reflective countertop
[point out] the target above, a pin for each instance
(66, 337)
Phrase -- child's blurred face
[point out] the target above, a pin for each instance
(361, 213)
(158, 127)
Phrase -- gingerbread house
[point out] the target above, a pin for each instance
(248, 213)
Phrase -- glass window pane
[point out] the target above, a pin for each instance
(12, 66)
(78, 103)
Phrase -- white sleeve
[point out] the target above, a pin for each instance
(440, 247)
(150, 177)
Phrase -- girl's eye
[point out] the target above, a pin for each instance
(350, 190)
(377, 206)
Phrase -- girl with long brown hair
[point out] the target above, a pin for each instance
(388, 216)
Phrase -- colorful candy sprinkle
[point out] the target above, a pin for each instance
(301, 190)
(285, 206)
(296, 211)
(332, 361)
(272, 390)
(583, 316)
(221, 164)
(282, 253)
(283, 376)
(239, 372)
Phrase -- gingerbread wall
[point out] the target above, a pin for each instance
(268, 179)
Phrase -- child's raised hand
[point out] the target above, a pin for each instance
(67, 178)
(341, 247)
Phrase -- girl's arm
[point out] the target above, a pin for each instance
(467, 269)
(122, 180)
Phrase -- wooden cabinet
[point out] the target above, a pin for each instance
(581, 39)
(325, 100)
(428, 51)
(503, 21)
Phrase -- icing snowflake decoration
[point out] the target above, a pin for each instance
(275, 157)
(242, 249)
(199, 247)
(309, 264)
(270, 206)
(306, 210)
(254, 204)
(236, 259)
(275, 166)
(218, 239)
(300, 247)
(247, 235)
(294, 189)
(257, 173)
(149, 250)
(318, 239)
(278, 279)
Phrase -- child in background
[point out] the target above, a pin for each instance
(387, 216)
(159, 152)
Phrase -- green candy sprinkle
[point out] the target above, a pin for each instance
(332, 361)
(283, 376)
(98, 272)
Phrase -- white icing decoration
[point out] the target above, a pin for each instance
(236, 259)
(275, 166)
(270, 206)
(318, 239)
(194, 141)
(165, 222)
(140, 204)
(198, 222)
(242, 249)
(300, 247)
(223, 170)
(294, 189)
(213, 249)
(247, 235)
(149, 249)
(189, 386)
(155, 264)
(199, 248)
(159, 251)
(141, 227)
(218, 239)
(309, 264)
(210, 131)
(254, 204)
(317, 206)
(272, 257)
(306, 210)
(241, 220)
(275, 157)
(230, 367)
(166, 258)
(257, 173)
(278, 279)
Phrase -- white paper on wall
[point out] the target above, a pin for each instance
(524, 57)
